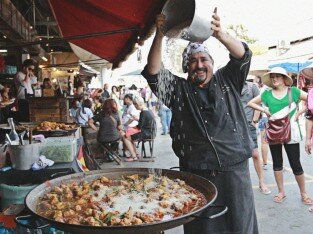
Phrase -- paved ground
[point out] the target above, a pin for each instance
(289, 217)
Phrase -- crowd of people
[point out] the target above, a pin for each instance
(120, 114)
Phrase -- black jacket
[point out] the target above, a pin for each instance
(209, 127)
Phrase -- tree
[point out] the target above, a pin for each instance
(241, 32)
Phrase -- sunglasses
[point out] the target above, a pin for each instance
(30, 69)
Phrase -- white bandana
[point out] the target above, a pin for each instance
(192, 48)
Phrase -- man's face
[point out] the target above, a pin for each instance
(106, 86)
(200, 68)
(29, 69)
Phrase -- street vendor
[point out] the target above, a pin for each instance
(25, 79)
(209, 128)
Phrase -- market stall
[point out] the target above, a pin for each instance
(49, 109)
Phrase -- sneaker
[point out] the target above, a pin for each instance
(163, 133)
(264, 166)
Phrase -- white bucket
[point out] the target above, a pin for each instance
(23, 156)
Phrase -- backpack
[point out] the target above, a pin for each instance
(310, 100)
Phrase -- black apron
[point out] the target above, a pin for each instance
(235, 191)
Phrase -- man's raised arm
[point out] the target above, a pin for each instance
(155, 53)
(233, 45)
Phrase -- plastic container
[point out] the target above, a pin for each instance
(11, 194)
(59, 149)
(23, 156)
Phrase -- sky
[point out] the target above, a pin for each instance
(266, 20)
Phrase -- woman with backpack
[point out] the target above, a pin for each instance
(282, 101)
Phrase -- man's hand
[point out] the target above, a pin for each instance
(159, 23)
(308, 146)
(216, 25)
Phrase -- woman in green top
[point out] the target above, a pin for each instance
(276, 101)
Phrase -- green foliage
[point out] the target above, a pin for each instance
(241, 32)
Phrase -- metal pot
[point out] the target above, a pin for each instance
(201, 184)
(188, 19)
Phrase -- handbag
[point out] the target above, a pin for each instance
(278, 131)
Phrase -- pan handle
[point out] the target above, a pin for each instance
(29, 221)
(179, 168)
(60, 173)
(172, 168)
(224, 211)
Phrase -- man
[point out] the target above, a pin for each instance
(250, 91)
(209, 128)
(25, 79)
(129, 123)
(129, 111)
(105, 95)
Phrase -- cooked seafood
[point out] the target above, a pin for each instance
(131, 200)
(52, 126)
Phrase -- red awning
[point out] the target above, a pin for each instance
(132, 18)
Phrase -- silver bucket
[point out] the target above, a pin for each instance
(23, 156)
(188, 19)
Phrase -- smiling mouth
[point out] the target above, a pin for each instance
(200, 73)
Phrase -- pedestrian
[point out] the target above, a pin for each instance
(250, 91)
(105, 94)
(165, 114)
(209, 128)
(262, 125)
(281, 101)
(115, 94)
(309, 132)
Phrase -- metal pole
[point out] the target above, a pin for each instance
(76, 37)
(34, 14)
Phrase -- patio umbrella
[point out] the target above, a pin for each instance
(294, 67)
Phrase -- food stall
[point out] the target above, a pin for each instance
(49, 109)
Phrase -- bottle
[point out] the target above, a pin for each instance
(13, 134)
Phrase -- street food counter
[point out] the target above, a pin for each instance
(49, 109)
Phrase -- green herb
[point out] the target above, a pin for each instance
(100, 221)
(109, 217)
